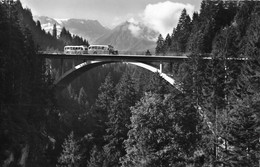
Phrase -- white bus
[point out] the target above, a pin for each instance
(101, 49)
(78, 50)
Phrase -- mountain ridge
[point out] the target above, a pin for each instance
(88, 29)
(127, 36)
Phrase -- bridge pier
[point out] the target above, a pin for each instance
(61, 67)
(161, 68)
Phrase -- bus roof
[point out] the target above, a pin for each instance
(75, 46)
(101, 45)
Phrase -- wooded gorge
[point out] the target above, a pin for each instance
(120, 115)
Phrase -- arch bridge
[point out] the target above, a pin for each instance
(92, 61)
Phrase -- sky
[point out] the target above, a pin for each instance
(160, 15)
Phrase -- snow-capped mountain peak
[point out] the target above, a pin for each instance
(60, 21)
(88, 29)
(128, 36)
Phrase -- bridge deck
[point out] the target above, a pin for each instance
(104, 57)
(131, 58)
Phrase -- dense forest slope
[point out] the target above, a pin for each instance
(47, 41)
(226, 89)
(26, 100)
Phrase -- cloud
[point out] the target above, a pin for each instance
(134, 27)
(132, 20)
(164, 16)
(117, 20)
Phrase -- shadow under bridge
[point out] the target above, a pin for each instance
(67, 77)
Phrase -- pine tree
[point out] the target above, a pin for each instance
(65, 36)
(195, 42)
(148, 53)
(106, 96)
(157, 85)
(70, 156)
(38, 25)
(226, 90)
(242, 135)
(244, 122)
(162, 132)
(54, 31)
(181, 33)
(85, 42)
(4, 28)
(159, 45)
(119, 119)
(173, 46)
(96, 158)
(103, 107)
(141, 142)
(26, 96)
(242, 18)
(82, 99)
(214, 15)
(167, 43)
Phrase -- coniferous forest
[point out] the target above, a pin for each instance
(121, 115)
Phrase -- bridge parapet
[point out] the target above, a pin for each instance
(127, 58)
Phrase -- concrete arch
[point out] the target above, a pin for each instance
(75, 72)
(156, 70)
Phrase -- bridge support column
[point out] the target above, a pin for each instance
(161, 68)
(61, 67)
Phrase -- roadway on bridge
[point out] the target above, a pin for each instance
(120, 57)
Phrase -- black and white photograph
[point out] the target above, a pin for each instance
(129, 83)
